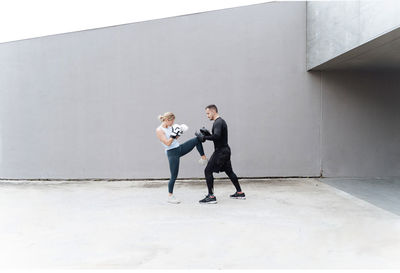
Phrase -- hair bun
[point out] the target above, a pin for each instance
(166, 116)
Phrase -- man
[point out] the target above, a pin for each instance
(221, 158)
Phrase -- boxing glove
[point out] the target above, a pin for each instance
(200, 136)
(173, 135)
(184, 128)
(205, 132)
(177, 129)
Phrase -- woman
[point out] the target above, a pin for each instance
(174, 150)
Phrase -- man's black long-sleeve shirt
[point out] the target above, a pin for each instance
(219, 134)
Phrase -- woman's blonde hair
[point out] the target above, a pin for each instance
(166, 116)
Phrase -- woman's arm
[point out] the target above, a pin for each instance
(161, 136)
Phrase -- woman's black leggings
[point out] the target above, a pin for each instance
(175, 154)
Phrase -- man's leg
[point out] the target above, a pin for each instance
(232, 176)
(210, 198)
(235, 181)
(208, 171)
(209, 177)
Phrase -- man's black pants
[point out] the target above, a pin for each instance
(220, 161)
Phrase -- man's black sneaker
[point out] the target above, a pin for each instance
(208, 200)
(238, 195)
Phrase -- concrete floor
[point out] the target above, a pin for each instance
(382, 192)
(287, 223)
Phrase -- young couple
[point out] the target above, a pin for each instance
(220, 160)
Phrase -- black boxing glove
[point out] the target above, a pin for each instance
(205, 132)
(200, 136)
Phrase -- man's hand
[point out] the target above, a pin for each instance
(200, 136)
(205, 132)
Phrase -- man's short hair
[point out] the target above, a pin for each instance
(212, 106)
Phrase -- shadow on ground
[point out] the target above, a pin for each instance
(383, 193)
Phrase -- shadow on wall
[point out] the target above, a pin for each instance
(360, 123)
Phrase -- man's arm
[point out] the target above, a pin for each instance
(217, 131)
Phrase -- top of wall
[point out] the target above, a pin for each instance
(350, 29)
(157, 20)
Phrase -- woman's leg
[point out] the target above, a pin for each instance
(190, 144)
(174, 169)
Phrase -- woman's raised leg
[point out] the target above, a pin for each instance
(190, 144)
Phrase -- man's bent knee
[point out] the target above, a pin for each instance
(208, 171)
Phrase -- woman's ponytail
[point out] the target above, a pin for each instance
(166, 116)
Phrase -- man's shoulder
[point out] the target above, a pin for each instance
(220, 120)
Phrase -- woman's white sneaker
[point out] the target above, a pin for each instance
(203, 161)
(173, 200)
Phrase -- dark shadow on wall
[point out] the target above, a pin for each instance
(360, 128)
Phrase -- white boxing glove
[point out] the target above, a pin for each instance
(184, 128)
(177, 130)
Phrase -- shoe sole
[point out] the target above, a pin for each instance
(241, 198)
(211, 202)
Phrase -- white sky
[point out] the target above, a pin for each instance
(22, 19)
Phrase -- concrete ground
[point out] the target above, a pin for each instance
(382, 192)
(286, 223)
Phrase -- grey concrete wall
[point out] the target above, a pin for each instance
(360, 131)
(84, 104)
(360, 123)
(335, 27)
